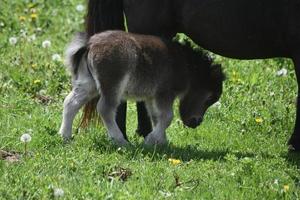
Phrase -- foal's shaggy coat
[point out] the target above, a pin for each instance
(115, 65)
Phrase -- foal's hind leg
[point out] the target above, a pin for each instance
(162, 115)
(80, 95)
(294, 141)
(107, 108)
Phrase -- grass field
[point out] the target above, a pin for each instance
(239, 152)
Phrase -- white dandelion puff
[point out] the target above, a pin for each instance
(25, 138)
(56, 57)
(58, 192)
(46, 44)
(282, 72)
(80, 8)
(13, 40)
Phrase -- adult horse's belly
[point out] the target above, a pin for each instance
(244, 29)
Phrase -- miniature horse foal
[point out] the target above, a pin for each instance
(115, 66)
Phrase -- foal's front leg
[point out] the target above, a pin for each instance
(162, 115)
(107, 108)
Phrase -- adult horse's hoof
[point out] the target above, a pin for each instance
(294, 144)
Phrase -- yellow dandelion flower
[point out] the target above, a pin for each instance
(33, 16)
(259, 120)
(234, 73)
(174, 161)
(22, 18)
(34, 66)
(37, 81)
(286, 188)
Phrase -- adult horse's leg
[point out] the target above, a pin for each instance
(144, 122)
(121, 118)
(294, 141)
(107, 15)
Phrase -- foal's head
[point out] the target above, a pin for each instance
(205, 88)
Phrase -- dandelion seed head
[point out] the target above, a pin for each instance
(46, 44)
(13, 40)
(80, 8)
(58, 192)
(56, 57)
(25, 138)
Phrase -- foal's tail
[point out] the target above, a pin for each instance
(102, 15)
(75, 52)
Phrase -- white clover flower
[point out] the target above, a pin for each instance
(80, 8)
(46, 44)
(58, 192)
(31, 38)
(39, 29)
(2, 24)
(13, 40)
(276, 181)
(23, 33)
(25, 138)
(217, 105)
(282, 72)
(56, 57)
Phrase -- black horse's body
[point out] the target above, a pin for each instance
(242, 29)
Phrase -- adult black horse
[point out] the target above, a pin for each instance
(242, 29)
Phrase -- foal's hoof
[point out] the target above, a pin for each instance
(66, 138)
(152, 140)
(120, 142)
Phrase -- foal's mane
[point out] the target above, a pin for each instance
(197, 60)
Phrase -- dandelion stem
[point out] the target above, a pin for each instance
(25, 149)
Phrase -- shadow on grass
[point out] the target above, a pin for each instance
(293, 158)
(185, 153)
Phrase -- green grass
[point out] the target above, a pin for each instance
(230, 156)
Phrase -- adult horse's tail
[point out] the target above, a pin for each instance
(104, 15)
(101, 15)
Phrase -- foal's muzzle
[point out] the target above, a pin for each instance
(194, 122)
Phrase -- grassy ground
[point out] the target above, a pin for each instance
(239, 152)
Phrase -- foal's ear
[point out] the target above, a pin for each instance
(217, 73)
